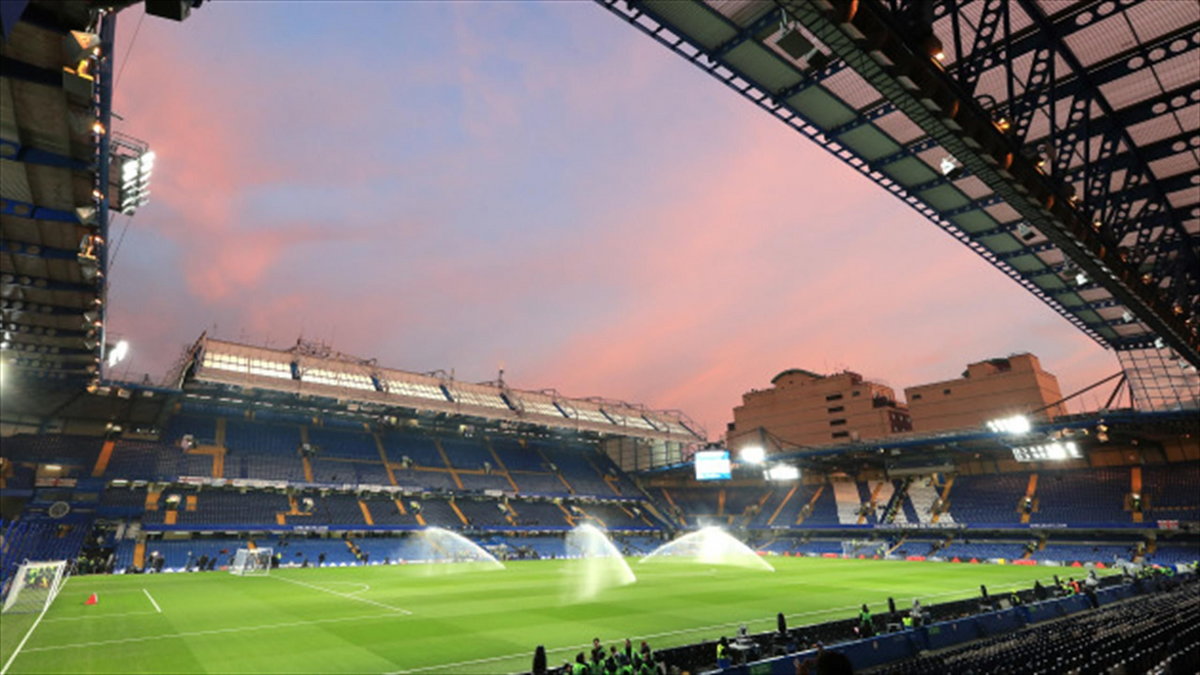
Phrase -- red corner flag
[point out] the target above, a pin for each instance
(92, 599)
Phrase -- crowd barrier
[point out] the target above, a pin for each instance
(882, 649)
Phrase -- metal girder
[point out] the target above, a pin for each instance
(13, 150)
(771, 16)
(102, 103)
(1073, 234)
(1133, 113)
(47, 365)
(1162, 149)
(27, 348)
(40, 284)
(1019, 42)
(27, 72)
(12, 207)
(936, 106)
(989, 53)
(43, 331)
(37, 250)
(11, 307)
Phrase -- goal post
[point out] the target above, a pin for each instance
(34, 587)
(252, 562)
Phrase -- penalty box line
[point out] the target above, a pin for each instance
(343, 595)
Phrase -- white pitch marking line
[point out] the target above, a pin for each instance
(342, 595)
(362, 588)
(151, 598)
(25, 639)
(98, 616)
(685, 631)
(216, 631)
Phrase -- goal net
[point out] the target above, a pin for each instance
(252, 562)
(34, 587)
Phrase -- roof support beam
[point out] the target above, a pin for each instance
(27, 72)
(40, 284)
(768, 18)
(12, 207)
(11, 308)
(849, 27)
(16, 152)
(37, 250)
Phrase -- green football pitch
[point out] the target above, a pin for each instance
(447, 618)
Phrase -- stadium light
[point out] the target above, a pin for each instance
(783, 472)
(117, 353)
(951, 169)
(81, 45)
(135, 181)
(1015, 425)
(753, 454)
(1056, 451)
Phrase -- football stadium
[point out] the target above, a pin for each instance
(259, 506)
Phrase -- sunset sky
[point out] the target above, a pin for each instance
(536, 186)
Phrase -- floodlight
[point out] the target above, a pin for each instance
(78, 81)
(117, 353)
(82, 45)
(951, 168)
(783, 472)
(1126, 316)
(1025, 232)
(1081, 279)
(753, 454)
(1159, 343)
(1015, 425)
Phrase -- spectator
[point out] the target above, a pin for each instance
(1090, 585)
(539, 660)
(723, 661)
(866, 627)
(580, 667)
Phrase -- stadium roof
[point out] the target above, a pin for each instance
(310, 370)
(55, 99)
(1058, 140)
(64, 173)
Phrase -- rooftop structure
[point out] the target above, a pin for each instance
(987, 390)
(803, 408)
(310, 370)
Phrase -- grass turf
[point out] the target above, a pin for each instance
(353, 620)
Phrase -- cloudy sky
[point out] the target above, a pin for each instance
(533, 186)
